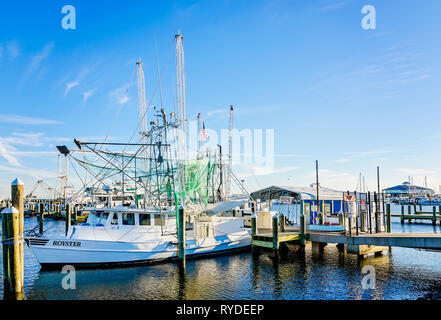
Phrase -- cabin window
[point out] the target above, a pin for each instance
(158, 220)
(114, 219)
(128, 219)
(144, 220)
(103, 217)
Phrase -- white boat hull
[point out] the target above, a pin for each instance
(56, 252)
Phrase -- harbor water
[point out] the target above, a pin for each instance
(402, 274)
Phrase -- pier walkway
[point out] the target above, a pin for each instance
(360, 244)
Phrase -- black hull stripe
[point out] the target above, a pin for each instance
(58, 266)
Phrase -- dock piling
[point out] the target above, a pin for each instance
(40, 219)
(68, 217)
(253, 225)
(302, 225)
(275, 230)
(181, 234)
(12, 243)
(388, 218)
(402, 214)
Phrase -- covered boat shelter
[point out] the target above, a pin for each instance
(408, 190)
(331, 201)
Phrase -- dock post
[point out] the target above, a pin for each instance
(377, 225)
(388, 218)
(40, 219)
(302, 225)
(68, 217)
(181, 234)
(369, 212)
(409, 212)
(75, 214)
(402, 214)
(356, 212)
(275, 232)
(282, 223)
(253, 225)
(434, 216)
(17, 201)
(12, 244)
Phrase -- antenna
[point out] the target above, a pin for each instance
(199, 134)
(230, 153)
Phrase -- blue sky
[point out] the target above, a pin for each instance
(334, 92)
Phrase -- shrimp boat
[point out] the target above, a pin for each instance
(119, 236)
(175, 196)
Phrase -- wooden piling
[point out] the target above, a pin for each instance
(282, 223)
(402, 214)
(377, 224)
(40, 219)
(302, 225)
(17, 202)
(275, 230)
(12, 243)
(369, 212)
(181, 234)
(75, 215)
(439, 209)
(409, 211)
(434, 216)
(388, 218)
(68, 217)
(253, 225)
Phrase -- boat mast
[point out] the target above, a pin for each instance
(230, 155)
(200, 125)
(182, 127)
(143, 119)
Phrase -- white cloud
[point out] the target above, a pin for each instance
(32, 172)
(88, 94)
(414, 172)
(37, 60)
(342, 160)
(121, 95)
(333, 5)
(8, 149)
(16, 119)
(13, 50)
(254, 170)
(69, 87)
(5, 152)
(372, 152)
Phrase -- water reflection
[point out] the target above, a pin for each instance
(333, 274)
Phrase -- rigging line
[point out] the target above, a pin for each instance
(159, 71)
(98, 179)
(120, 108)
(120, 170)
(153, 96)
(70, 160)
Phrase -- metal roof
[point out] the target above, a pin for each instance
(303, 193)
(407, 188)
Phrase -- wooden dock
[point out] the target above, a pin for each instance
(361, 244)
(433, 216)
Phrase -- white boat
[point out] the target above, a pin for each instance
(118, 236)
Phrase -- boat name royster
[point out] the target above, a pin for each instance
(66, 243)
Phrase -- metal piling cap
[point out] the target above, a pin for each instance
(17, 182)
